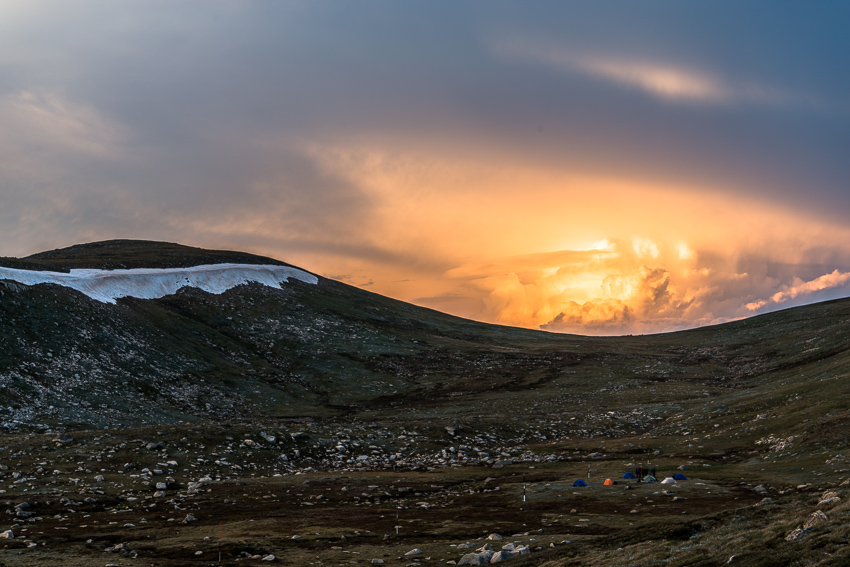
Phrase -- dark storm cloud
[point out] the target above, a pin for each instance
(197, 84)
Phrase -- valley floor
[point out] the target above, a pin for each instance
(181, 495)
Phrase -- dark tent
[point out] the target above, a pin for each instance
(629, 475)
(579, 482)
(679, 476)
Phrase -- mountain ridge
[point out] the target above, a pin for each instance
(332, 349)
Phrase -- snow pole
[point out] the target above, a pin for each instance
(219, 543)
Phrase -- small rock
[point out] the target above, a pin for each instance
(161, 486)
(412, 552)
(268, 557)
(377, 562)
(494, 537)
(8, 534)
(189, 518)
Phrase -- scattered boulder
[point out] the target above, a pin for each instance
(815, 518)
(298, 436)
(829, 498)
(377, 562)
(8, 534)
(189, 518)
(118, 548)
(503, 555)
(798, 534)
(476, 558)
(268, 557)
(494, 537)
(413, 552)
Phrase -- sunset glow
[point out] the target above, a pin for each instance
(575, 168)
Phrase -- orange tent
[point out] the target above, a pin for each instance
(608, 482)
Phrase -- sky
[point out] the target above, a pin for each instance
(598, 168)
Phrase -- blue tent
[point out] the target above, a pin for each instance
(629, 475)
(579, 482)
(679, 476)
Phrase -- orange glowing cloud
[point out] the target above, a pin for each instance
(471, 233)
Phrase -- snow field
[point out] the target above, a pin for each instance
(148, 283)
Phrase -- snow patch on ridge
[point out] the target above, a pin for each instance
(148, 283)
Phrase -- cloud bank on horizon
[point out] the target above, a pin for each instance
(578, 167)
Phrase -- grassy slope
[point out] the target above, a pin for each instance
(332, 349)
